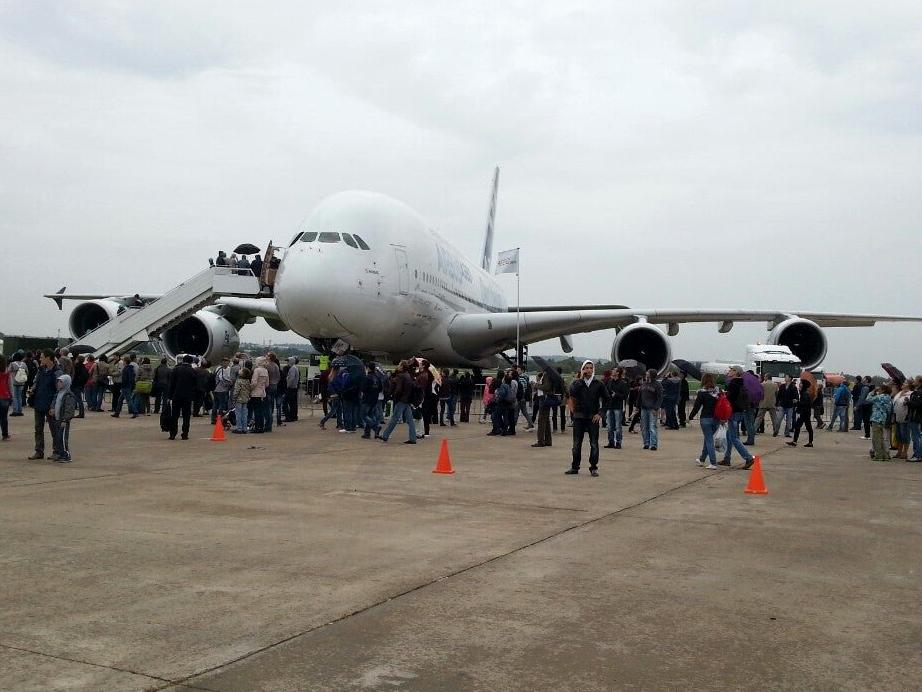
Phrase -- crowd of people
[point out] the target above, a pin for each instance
(251, 394)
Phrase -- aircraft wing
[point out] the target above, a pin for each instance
(479, 333)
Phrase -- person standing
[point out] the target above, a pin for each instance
(787, 399)
(866, 389)
(292, 384)
(43, 392)
(241, 400)
(840, 399)
(78, 384)
(465, 396)
(650, 399)
(402, 385)
(259, 383)
(182, 391)
(161, 386)
(426, 380)
(143, 387)
(819, 404)
(670, 401)
(370, 392)
(684, 396)
(19, 374)
(739, 400)
(561, 411)
(272, 402)
(768, 405)
(223, 383)
(6, 398)
(115, 374)
(804, 409)
(857, 420)
(618, 390)
(59, 418)
(705, 401)
(880, 407)
(901, 419)
(547, 399)
(587, 398)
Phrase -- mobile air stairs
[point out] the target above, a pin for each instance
(135, 326)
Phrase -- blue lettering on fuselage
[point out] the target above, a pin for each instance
(452, 267)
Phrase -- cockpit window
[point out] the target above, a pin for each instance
(362, 243)
(349, 241)
(295, 239)
(329, 237)
(308, 237)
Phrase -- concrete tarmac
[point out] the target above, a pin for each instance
(312, 560)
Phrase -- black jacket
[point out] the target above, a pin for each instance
(737, 394)
(588, 400)
(183, 382)
(618, 390)
(787, 396)
(705, 402)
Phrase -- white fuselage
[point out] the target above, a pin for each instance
(394, 299)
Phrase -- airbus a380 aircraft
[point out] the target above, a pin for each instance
(367, 270)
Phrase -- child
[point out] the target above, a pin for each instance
(59, 417)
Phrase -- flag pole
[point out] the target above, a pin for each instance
(518, 308)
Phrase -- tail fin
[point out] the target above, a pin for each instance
(486, 257)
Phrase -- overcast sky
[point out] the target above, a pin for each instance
(663, 155)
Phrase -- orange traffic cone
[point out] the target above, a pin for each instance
(218, 434)
(756, 482)
(443, 465)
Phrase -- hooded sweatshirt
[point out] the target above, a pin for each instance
(64, 401)
(589, 396)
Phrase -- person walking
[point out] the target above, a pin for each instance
(370, 392)
(867, 388)
(43, 392)
(650, 399)
(402, 386)
(768, 405)
(182, 391)
(819, 405)
(333, 408)
(881, 407)
(671, 389)
(586, 398)
(840, 398)
(787, 400)
(804, 408)
(739, 400)
(161, 386)
(705, 401)
(103, 379)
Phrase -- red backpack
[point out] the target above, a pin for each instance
(723, 411)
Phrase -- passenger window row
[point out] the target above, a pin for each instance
(352, 240)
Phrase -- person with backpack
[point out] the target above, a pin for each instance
(739, 401)
(402, 386)
(587, 399)
(221, 382)
(804, 408)
(19, 375)
(705, 402)
(512, 400)
(840, 399)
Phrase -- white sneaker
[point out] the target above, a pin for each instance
(699, 462)
(342, 431)
(711, 467)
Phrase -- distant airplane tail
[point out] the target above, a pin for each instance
(486, 257)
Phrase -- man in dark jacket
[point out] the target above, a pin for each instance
(402, 385)
(856, 409)
(671, 390)
(161, 385)
(182, 391)
(371, 389)
(587, 398)
(684, 396)
(618, 390)
(43, 392)
(787, 398)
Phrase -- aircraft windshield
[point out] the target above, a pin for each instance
(349, 241)
(362, 243)
(308, 237)
(329, 237)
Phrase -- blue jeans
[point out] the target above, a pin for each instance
(749, 417)
(221, 403)
(17, 397)
(840, 412)
(787, 415)
(402, 414)
(615, 421)
(733, 438)
(333, 411)
(370, 418)
(452, 403)
(708, 428)
(670, 406)
(648, 423)
(352, 414)
(241, 418)
(915, 434)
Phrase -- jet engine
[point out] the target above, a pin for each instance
(805, 339)
(644, 343)
(204, 334)
(92, 314)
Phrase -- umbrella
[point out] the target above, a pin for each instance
(349, 362)
(632, 368)
(754, 387)
(246, 249)
(808, 377)
(690, 369)
(894, 372)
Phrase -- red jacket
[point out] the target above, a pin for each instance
(5, 384)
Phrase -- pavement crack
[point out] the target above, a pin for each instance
(82, 662)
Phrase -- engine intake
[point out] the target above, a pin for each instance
(92, 314)
(205, 334)
(805, 339)
(644, 343)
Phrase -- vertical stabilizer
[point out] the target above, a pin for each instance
(486, 257)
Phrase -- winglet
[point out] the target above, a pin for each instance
(59, 301)
(486, 257)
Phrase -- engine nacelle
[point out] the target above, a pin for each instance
(205, 334)
(644, 343)
(92, 314)
(805, 339)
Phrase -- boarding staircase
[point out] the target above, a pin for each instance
(135, 326)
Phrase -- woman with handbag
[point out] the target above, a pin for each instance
(705, 401)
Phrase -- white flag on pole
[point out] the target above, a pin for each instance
(507, 262)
